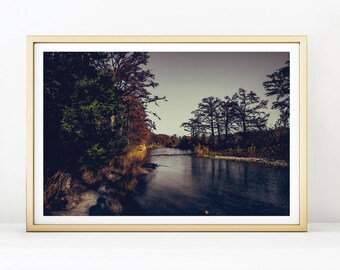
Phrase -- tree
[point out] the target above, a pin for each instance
(190, 126)
(193, 126)
(249, 111)
(279, 86)
(174, 140)
(228, 112)
(78, 103)
(95, 105)
(219, 123)
(132, 81)
(207, 110)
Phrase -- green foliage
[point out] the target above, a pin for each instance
(95, 105)
(95, 156)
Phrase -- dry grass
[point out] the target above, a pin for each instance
(126, 165)
(134, 157)
(201, 150)
(89, 177)
(114, 205)
(58, 189)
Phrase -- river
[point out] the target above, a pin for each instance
(184, 184)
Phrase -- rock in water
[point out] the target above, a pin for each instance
(100, 209)
(150, 165)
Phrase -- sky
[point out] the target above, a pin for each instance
(185, 78)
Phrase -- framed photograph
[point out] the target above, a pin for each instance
(167, 133)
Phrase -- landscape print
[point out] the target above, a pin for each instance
(166, 133)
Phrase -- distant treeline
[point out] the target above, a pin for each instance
(237, 125)
(163, 140)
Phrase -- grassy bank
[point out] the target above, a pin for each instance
(241, 156)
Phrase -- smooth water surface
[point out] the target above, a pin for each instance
(187, 185)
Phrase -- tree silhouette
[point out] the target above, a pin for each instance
(249, 111)
(195, 125)
(228, 112)
(208, 111)
(279, 86)
(191, 126)
(241, 121)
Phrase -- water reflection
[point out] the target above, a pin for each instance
(187, 185)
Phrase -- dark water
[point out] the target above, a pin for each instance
(188, 185)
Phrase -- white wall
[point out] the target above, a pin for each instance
(320, 20)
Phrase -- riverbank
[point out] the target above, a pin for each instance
(98, 201)
(76, 193)
(205, 152)
(103, 200)
(263, 161)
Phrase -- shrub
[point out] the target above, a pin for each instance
(201, 150)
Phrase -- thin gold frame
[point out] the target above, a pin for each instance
(302, 226)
